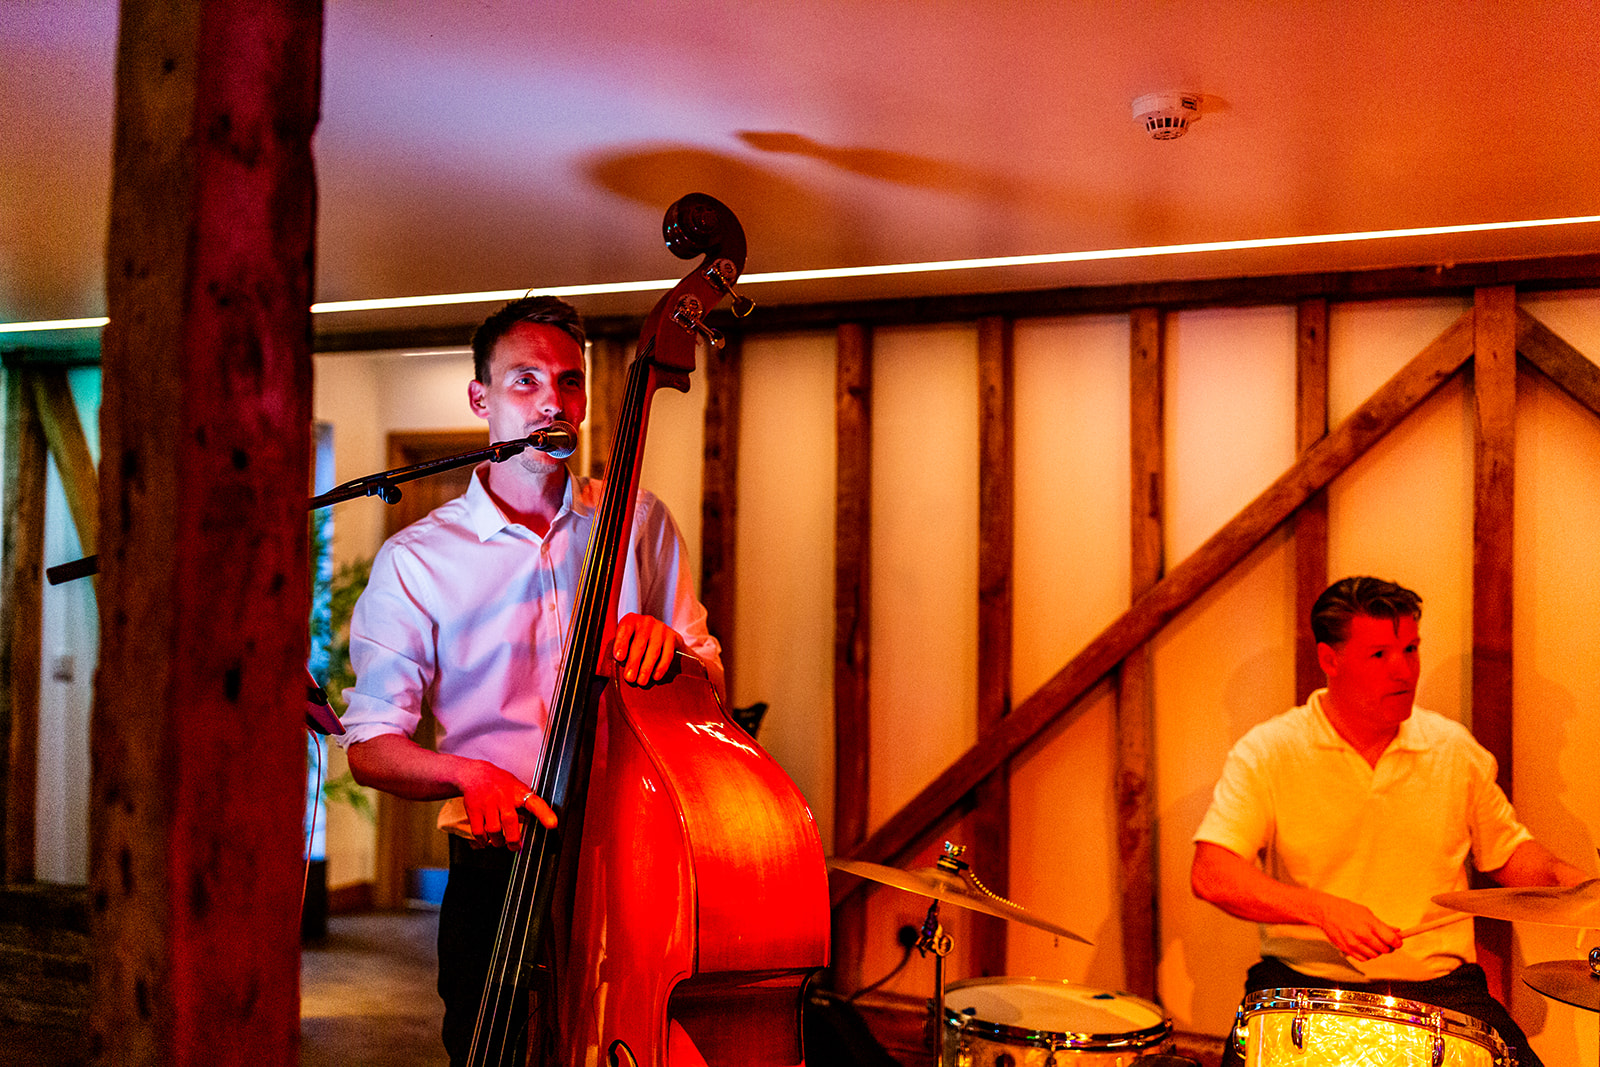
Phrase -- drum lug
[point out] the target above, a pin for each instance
(1241, 1033)
(1438, 1040)
(1297, 1029)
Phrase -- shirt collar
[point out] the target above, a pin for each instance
(1413, 737)
(486, 518)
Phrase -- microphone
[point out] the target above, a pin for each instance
(558, 440)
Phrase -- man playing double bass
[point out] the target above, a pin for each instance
(466, 614)
(1359, 808)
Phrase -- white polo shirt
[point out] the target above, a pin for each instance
(468, 613)
(1391, 836)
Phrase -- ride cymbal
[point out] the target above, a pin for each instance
(947, 886)
(1577, 905)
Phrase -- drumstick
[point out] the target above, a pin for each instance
(1434, 924)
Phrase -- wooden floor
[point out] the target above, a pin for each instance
(368, 1000)
(367, 993)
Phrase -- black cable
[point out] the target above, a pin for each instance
(907, 936)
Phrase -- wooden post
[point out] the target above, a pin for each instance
(990, 821)
(21, 641)
(1494, 391)
(719, 508)
(198, 748)
(1311, 521)
(1494, 380)
(1137, 872)
(851, 654)
(608, 375)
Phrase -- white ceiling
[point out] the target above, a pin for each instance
(500, 144)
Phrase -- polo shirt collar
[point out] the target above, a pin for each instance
(486, 518)
(1413, 737)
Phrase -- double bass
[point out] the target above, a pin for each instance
(676, 911)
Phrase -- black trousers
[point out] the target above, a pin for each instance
(1464, 990)
(469, 917)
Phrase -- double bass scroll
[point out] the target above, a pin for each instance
(681, 903)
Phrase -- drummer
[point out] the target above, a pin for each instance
(1335, 824)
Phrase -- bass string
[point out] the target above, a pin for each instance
(516, 921)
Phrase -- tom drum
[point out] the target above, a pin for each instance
(1038, 1022)
(1316, 1027)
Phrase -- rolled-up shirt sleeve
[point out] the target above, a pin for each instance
(667, 590)
(391, 651)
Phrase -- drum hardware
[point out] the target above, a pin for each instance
(950, 879)
(932, 938)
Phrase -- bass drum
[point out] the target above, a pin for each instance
(1039, 1022)
(1332, 1027)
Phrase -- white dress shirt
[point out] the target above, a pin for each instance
(467, 614)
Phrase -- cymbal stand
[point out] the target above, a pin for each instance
(932, 938)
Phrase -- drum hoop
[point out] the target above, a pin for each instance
(1361, 1004)
(1055, 1040)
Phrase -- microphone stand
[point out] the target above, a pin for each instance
(559, 441)
(381, 485)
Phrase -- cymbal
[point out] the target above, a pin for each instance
(1569, 981)
(946, 886)
(1577, 905)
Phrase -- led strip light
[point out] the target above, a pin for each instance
(393, 303)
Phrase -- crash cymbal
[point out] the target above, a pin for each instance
(950, 887)
(1577, 905)
(1575, 982)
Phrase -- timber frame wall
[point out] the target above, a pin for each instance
(1484, 344)
(1493, 343)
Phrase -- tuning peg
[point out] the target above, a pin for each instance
(717, 274)
(687, 316)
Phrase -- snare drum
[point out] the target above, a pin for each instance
(1313, 1027)
(1038, 1022)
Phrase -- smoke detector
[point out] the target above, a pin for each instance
(1167, 115)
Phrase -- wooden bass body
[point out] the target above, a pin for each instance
(701, 892)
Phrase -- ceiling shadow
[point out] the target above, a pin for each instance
(776, 212)
(981, 184)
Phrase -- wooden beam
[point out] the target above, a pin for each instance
(70, 449)
(1311, 521)
(1137, 872)
(719, 507)
(990, 821)
(1573, 372)
(21, 624)
(198, 776)
(1384, 410)
(851, 650)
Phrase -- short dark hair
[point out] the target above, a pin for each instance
(549, 310)
(1349, 597)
